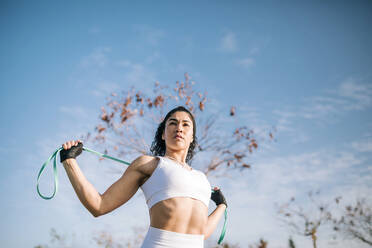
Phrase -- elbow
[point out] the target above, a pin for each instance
(96, 210)
(95, 213)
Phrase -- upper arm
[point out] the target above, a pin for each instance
(125, 187)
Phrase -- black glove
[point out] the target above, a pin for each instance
(218, 197)
(73, 152)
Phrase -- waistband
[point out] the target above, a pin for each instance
(159, 238)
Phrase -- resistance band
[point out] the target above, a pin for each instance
(54, 157)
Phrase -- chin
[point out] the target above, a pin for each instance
(178, 147)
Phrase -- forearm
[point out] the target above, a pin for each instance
(85, 191)
(213, 220)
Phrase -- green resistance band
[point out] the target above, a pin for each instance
(223, 229)
(55, 173)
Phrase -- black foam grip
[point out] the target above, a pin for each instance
(73, 152)
(218, 197)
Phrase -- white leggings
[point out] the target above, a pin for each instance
(159, 238)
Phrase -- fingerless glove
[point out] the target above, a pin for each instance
(73, 152)
(218, 197)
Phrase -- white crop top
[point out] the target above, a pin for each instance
(170, 179)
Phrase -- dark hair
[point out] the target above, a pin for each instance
(158, 145)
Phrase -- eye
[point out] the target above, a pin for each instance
(186, 124)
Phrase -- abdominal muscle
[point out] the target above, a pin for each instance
(179, 214)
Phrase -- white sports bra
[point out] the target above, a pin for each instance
(170, 179)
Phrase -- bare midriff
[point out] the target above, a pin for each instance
(179, 214)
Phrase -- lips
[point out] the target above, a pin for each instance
(178, 136)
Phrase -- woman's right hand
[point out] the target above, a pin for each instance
(71, 149)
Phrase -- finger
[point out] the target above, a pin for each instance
(69, 144)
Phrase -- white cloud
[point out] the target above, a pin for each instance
(316, 168)
(228, 42)
(285, 125)
(117, 74)
(153, 57)
(123, 63)
(138, 74)
(97, 58)
(319, 107)
(94, 30)
(74, 111)
(300, 138)
(149, 34)
(254, 50)
(349, 95)
(359, 95)
(105, 88)
(246, 62)
(284, 122)
(362, 146)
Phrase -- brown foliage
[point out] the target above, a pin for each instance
(224, 245)
(102, 239)
(261, 244)
(304, 222)
(355, 220)
(126, 115)
(56, 240)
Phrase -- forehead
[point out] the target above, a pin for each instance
(180, 116)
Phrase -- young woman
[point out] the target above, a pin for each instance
(176, 194)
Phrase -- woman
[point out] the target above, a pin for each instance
(176, 194)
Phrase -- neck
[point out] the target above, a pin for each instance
(178, 156)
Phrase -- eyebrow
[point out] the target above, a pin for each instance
(173, 119)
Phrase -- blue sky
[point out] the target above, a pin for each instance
(303, 67)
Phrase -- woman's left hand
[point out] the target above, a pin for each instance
(218, 197)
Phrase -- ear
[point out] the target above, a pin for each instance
(162, 136)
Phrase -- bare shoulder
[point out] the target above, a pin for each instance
(144, 164)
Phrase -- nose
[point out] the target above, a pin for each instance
(179, 127)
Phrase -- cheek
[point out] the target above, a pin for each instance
(190, 134)
(167, 132)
